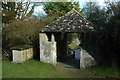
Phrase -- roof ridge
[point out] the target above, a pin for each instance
(80, 15)
(59, 18)
(58, 24)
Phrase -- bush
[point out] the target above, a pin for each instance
(22, 33)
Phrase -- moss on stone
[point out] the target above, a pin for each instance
(21, 47)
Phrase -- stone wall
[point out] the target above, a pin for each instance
(48, 53)
(86, 60)
(47, 49)
(20, 56)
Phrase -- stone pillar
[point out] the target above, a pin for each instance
(47, 49)
(54, 51)
(81, 59)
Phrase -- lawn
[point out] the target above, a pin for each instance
(36, 69)
(106, 71)
(29, 69)
(0, 69)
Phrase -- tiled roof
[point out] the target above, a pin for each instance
(72, 21)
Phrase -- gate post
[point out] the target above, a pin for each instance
(47, 49)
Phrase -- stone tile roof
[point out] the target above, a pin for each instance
(72, 21)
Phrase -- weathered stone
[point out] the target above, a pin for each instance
(19, 56)
(47, 49)
(73, 19)
(86, 60)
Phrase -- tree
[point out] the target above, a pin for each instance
(8, 11)
(24, 9)
(105, 39)
(17, 10)
(54, 10)
(58, 9)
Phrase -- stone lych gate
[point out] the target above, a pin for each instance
(53, 39)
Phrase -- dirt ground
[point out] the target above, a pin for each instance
(71, 68)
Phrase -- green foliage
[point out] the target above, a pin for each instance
(58, 9)
(21, 32)
(104, 41)
(71, 36)
(8, 11)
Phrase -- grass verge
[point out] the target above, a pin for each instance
(107, 72)
(29, 69)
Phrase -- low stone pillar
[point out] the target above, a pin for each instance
(22, 53)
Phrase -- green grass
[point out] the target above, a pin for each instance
(0, 69)
(36, 69)
(106, 72)
(29, 69)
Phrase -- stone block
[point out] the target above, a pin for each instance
(19, 56)
(86, 60)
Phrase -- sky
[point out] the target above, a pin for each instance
(39, 9)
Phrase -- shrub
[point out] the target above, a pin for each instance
(21, 33)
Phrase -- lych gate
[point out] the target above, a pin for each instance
(53, 38)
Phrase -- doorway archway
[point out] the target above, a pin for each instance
(56, 39)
